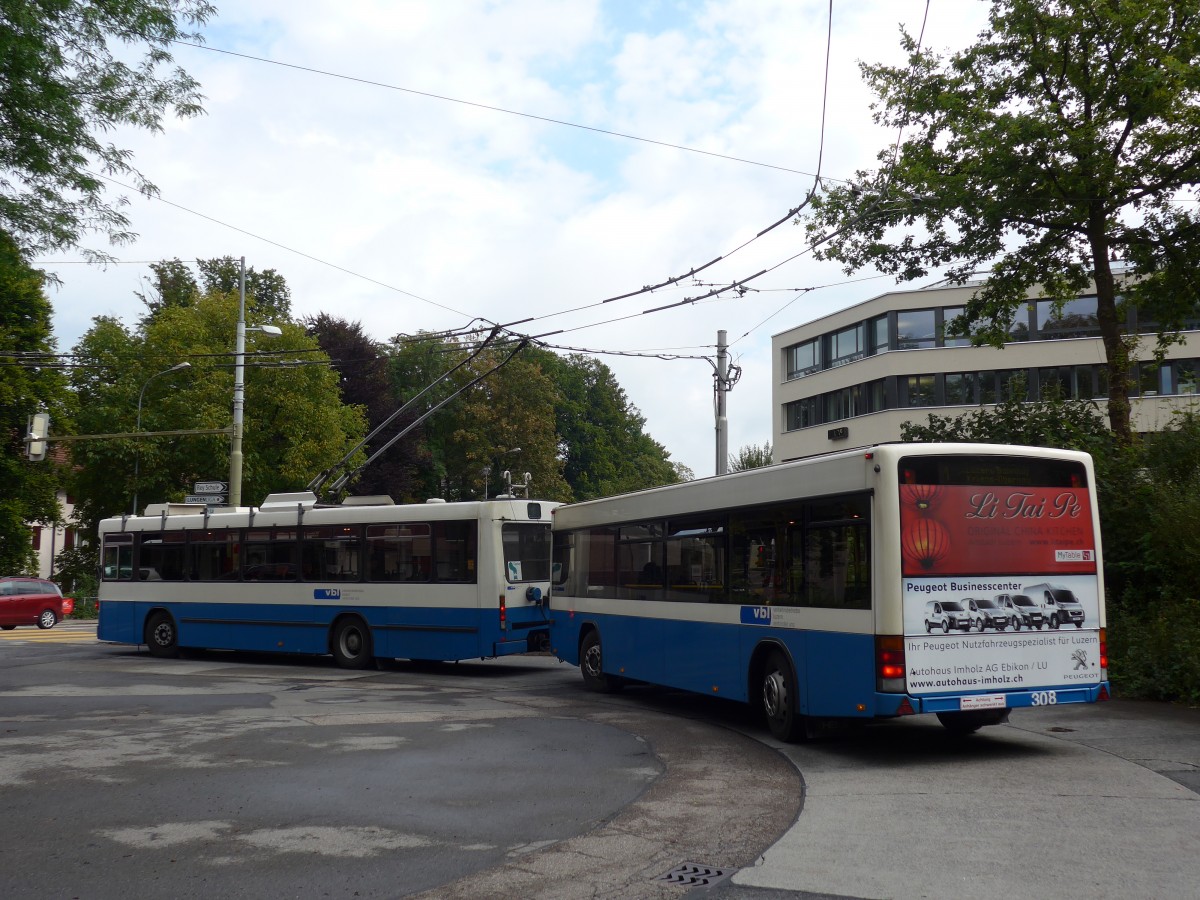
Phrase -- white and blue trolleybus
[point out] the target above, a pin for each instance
(962, 580)
(360, 580)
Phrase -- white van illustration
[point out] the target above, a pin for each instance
(946, 614)
(1022, 609)
(1059, 605)
(987, 613)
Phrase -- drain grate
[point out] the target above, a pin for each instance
(695, 875)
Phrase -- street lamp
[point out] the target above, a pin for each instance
(239, 389)
(137, 456)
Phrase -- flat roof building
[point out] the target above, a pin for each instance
(854, 377)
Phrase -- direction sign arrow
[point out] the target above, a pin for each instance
(206, 499)
(211, 487)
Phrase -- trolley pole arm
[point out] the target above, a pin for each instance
(319, 482)
(344, 479)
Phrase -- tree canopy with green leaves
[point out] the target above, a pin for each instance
(295, 422)
(565, 420)
(69, 75)
(29, 382)
(751, 456)
(1066, 137)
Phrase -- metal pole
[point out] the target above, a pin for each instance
(137, 456)
(722, 388)
(239, 394)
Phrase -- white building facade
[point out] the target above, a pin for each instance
(50, 541)
(852, 378)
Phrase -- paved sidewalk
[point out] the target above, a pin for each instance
(1085, 802)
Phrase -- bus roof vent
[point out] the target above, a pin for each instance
(369, 500)
(307, 499)
(435, 500)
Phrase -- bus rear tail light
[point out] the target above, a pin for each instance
(503, 614)
(889, 663)
(1104, 654)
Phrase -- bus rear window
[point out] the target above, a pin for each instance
(526, 551)
(993, 471)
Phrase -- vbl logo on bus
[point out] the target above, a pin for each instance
(756, 615)
(327, 594)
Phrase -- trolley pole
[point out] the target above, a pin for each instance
(721, 388)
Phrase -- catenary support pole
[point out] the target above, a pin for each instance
(721, 387)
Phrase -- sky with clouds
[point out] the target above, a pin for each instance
(382, 204)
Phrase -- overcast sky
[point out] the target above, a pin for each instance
(408, 212)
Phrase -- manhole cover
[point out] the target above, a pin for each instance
(695, 875)
(1059, 728)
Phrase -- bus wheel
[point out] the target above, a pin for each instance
(591, 665)
(352, 644)
(161, 636)
(779, 699)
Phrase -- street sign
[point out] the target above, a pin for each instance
(206, 499)
(211, 487)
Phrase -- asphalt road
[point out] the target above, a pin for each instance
(245, 776)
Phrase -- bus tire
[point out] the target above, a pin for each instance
(351, 644)
(162, 636)
(779, 699)
(591, 665)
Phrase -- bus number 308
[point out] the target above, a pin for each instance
(1045, 698)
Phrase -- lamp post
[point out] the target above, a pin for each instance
(137, 456)
(239, 389)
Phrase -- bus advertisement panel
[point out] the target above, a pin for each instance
(992, 577)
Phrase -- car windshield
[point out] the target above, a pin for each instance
(1022, 600)
(1064, 596)
(986, 604)
(952, 606)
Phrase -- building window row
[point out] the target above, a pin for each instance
(918, 329)
(1085, 382)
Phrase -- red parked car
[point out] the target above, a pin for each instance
(31, 601)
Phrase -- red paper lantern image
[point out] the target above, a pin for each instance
(925, 542)
(919, 496)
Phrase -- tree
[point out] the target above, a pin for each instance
(601, 435)
(67, 76)
(469, 438)
(172, 284)
(364, 380)
(29, 381)
(1049, 422)
(296, 423)
(752, 456)
(268, 289)
(1063, 138)
(578, 434)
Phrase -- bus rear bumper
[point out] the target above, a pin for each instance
(509, 648)
(888, 705)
